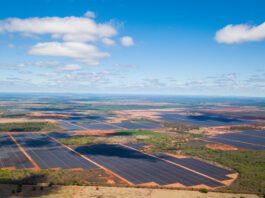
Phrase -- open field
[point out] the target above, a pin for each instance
(108, 192)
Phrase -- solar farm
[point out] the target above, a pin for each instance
(254, 140)
(159, 148)
(202, 120)
(42, 151)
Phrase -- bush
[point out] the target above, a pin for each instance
(204, 190)
(19, 188)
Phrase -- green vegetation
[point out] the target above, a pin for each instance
(249, 165)
(204, 190)
(21, 177)
(77, 141)
(8, 114)
(28, 126)
(179, 126)
(242, 128)
(86, 122)
(137, 132)
(122, 136)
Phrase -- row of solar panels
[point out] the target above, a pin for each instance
(254, 140)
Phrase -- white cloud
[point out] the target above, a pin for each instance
(127, 41)
(125, 66)
(46, 63)
(240, 33)
(71, 67)
(108, 41)
(68, 28)
(10, 45)
(90, 14)
(82, 52)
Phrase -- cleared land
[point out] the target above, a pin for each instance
(108, 192)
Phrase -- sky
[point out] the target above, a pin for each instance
(184, 47)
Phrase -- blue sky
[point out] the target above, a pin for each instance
(136, 47)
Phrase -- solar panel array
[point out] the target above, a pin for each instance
(140, 168)
(75, 125)
(59, 135)
(202, 120)
(254, 140)
(137, 145)
(48, 153)
(100, 126)
(255, 133)
(70, 127)
(200, 166)
(10, 154)
(243, 138)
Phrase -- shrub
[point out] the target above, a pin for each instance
(204, 190)
(19, 188)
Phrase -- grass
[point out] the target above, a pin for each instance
(137, 132)
(28, 126)
(54, 177)
(77, 141)
(179, 126)
(86, 122)
(121, 136)
(242, 128)
(249, 165)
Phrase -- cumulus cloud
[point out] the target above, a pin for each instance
(90, 14)
(127, 41)
(125, 66)
(46, 63)
(82, 52)
(108, 41)
(70, 67)
(240, 33)
(68, 28)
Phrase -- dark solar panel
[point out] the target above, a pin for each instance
(140, 168)
(244, 138)
(137, 145)
(10, 154)
(71, 127)
(199, 166)
(202, 120)
(61, 135)
(235, 143)
(254, 133)
(100, 126)
(48, 153)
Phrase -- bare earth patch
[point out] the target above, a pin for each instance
(220, 146)
(109, 192)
